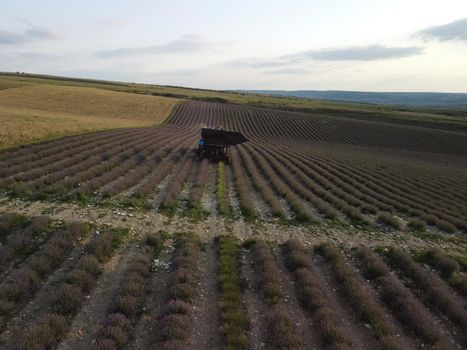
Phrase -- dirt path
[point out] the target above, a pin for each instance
(145, 333)
(183, 198)
(256, 309)
(361, 337)
(262, 208)
(272, 230)
(85, 325)
(306, 329)
(206, 314)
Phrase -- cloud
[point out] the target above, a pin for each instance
(32, 34)
(254, 62)
(456, 31)
(289, 71)
(38, 55)
(357, 53)
(186, 43)
(288, 64)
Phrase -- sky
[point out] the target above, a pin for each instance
(364, 45)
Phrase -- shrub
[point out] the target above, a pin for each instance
(374, 267)
(234, 320)
(69, 299)
(281, 327)
(81, 279)
(105, 344)
(176, 184)
(117, 334)
(297, 259)
(176, 306)
(102, 248)
(356, 215)
(409, 310)
(89, 264)
(388, 219)
(282, 331)
(260, 183)
(6, 307)
(127, 305)
(268, 273)
(430, 219)
(458, 281)
(104, 245)
(118, 320)
(176, 321)
(441, 262)
(364, 303)
(200, 182)
(222, 195)
(175, 326)
(243, 188)
(156, 241)
(11, 221)
(45, 334)
(433, 289)
(417, 225)
(25, 281)
(446, 226)
(312, 298)
(22, 284)
(38, 224)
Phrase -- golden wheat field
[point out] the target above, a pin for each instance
(32, 112)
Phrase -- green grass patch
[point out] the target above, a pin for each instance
(138, 202)
(234, 321)
(156, 241)
(169, 210)
(222, 192)
(196, 213)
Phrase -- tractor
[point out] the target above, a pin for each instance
(215, 144)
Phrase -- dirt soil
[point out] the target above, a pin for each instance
(256, 308)
(140, 222)
(306, 329)
(206, 312)
(145, 333)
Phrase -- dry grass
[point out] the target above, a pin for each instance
(36, 112)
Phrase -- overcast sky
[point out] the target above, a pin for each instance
(370, 45)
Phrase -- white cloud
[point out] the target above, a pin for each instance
(455, 31)
(359, 53)
(185, 44)
(28, 35)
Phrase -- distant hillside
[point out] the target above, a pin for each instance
(409, 99)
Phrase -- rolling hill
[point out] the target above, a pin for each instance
(401, 99)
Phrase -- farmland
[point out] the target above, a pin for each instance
(328, 232)
(31, 112)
